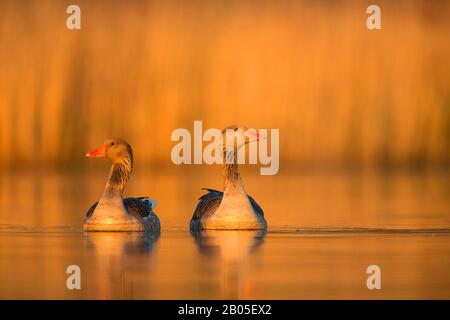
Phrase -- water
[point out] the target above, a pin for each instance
(325, 229)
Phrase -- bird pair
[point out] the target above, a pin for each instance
(230, 209)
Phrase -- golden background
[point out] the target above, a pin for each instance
(339, 93)
(342, 96)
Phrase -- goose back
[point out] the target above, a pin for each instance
(141, 208)
(210, 202)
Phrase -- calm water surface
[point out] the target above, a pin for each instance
(324, 230)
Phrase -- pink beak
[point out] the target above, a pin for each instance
(97, 153)
(253, 134)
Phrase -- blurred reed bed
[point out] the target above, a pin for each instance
(339, 93)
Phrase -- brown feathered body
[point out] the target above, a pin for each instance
(112, 212)
(232, 209)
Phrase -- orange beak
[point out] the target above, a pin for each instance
(97, 153)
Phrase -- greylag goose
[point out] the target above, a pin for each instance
(231, 209)
(112, 212)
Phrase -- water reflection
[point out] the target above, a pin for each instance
(116, 244)
(234, 250)
(229, 244)
(399, 221)
(118, 257)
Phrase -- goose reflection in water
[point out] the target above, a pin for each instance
(118, 257)
(233, 249)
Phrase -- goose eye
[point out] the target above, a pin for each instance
(112, 143)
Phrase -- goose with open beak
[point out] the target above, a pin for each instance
(232, 209)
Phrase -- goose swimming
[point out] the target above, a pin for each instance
(112, 212)
(233, 208)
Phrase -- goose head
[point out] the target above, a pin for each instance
(115, 149)
(235, 137)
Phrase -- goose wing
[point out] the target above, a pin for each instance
(142, 208)
(139, 207)
(207, 204)
(210, 201)
(91, 210)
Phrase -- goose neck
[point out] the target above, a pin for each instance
(119, 175)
